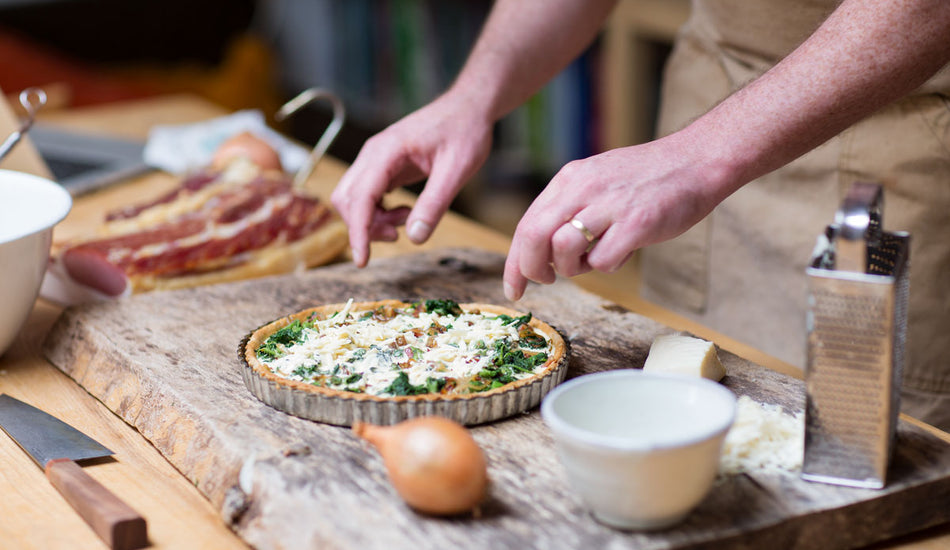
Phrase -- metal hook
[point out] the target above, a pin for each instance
(32, 100)
(329, 134)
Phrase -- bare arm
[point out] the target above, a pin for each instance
(866, 54)
(524, 43)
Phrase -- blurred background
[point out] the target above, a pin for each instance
(383, 58)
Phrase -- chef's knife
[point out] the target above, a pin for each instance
(55, 446)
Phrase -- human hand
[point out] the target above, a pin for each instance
(627, 198)
(446, 141)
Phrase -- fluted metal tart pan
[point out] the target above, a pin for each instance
(343, 408)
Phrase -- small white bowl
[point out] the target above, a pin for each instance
(641, 449)
(29, 208)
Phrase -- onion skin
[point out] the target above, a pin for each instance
(246, 145)
(433, 463)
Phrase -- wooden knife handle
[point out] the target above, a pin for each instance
(118, 525)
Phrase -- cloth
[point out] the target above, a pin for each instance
(185, 147)
(742, 269)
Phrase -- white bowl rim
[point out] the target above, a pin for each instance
(557, 424)
(51, 217)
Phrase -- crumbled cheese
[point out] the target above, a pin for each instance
(763, 438)
(375, 352)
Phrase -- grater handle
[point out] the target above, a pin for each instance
(859, 222)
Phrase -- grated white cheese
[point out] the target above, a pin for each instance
(763, 438)
(355, 351)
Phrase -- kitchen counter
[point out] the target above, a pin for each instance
(35, 515)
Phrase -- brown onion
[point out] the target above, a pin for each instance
(433, 463)
(246, 145)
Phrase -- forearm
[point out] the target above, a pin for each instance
(524, 44)
(867, 54)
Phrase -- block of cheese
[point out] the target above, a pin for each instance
(685, 355)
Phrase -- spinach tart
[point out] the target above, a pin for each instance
(386, 361)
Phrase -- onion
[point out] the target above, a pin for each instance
(433, 463)
(248, 146)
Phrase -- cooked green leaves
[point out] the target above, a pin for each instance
(276, 344)
(443, 307)
(508, 360)
(516, 321)
(402, 386)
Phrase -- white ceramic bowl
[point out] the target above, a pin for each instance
(29, 208)
(641, 449)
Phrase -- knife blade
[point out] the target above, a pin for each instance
(56, 446)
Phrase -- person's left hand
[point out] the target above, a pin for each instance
(626, 198)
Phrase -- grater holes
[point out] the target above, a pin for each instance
(882, 259)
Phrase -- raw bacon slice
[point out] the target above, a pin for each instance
(192, 183)
(216, 226)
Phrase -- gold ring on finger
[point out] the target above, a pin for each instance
(579, 225)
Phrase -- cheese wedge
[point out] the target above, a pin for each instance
(685, 355)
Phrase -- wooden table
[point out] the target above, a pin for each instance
(34, 515)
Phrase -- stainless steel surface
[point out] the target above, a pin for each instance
(857, 316)
(32, 99)
(858, 224)
(45, 437)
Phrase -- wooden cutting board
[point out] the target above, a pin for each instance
(167, 363)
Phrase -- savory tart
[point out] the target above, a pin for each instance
(389, 360)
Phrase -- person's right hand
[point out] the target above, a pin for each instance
(446, 141)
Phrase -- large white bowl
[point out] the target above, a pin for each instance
(641, 449)
(29, 208)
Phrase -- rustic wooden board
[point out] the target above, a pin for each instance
(167, 364)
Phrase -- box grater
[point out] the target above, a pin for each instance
(856, 321)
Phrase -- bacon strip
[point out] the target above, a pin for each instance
(183, 259)
(192, 183)
(238, 220)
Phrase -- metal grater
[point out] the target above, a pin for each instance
(856, 320)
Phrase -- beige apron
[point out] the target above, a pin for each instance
(742, 269)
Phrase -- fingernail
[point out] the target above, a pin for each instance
(359, 258)
(510, 292)
(419, 231)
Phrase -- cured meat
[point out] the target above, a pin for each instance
(217, 225)
(192, 183)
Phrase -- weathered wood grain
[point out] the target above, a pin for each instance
(167, 364)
